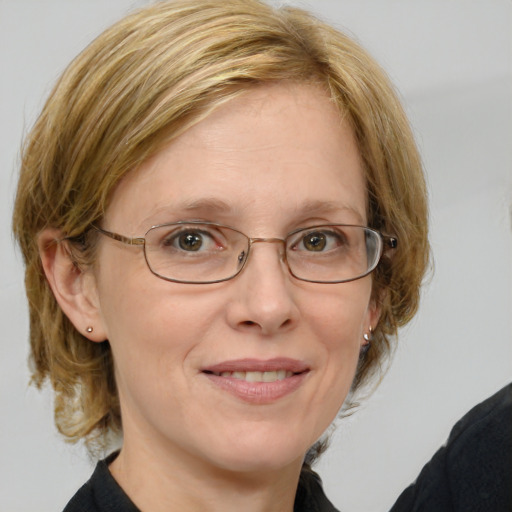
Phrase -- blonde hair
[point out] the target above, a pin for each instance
(143, 82)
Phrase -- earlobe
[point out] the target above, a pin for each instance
(74, 288)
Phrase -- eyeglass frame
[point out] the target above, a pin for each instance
(388, 241)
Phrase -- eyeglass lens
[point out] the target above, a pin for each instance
(205, 253)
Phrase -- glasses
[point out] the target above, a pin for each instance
(204, 253)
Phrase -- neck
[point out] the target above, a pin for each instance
(169, 480)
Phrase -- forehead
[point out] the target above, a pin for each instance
(274, 150)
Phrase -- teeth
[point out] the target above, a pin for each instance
(255, 376)
(258, 376)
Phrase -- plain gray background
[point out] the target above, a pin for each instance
(451, 61)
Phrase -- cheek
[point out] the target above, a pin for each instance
(153, 324)
(340, 314)
(339, 321)
(134, 307)
(152, 336)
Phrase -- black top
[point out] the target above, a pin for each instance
(103, 494)
(473, 471)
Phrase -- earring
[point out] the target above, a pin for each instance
(89, 329)
(368, 337)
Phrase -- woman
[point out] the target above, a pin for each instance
(223, 217)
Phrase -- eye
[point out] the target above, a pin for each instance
(315, 241)
(320, 241)
(192, 240)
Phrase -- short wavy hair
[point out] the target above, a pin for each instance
(143, 82)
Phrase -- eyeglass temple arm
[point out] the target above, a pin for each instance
(118, 237)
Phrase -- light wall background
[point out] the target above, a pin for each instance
(452, 62)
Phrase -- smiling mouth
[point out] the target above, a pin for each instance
(256, 376)
(258, 382)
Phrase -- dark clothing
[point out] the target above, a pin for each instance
(103, 494)
(473, 471)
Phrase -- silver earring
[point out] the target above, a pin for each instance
(368, 342)
(89, 329)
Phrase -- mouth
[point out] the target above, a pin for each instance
(252, 376)
(256, 381)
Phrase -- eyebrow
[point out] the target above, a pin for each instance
(317, 207)
(206, 206)
(214, 206)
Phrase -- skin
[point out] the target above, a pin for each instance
(278, 157)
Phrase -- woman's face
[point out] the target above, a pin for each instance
(273, 160)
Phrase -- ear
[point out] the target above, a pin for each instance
(74, 288)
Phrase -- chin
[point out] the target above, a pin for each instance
(263, 454)
(262, 463)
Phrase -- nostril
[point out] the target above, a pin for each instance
(248, 323)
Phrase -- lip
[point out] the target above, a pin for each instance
(258, 365)
(258, 393)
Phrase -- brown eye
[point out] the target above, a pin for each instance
(190, 241)
(315, 241)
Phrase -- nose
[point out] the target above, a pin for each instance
(263, 300)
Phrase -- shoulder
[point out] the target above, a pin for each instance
(490, 417)
(473, 471)
(83, 500)
(310, 495)
(101, 493)
(479, 455)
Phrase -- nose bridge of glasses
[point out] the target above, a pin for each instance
(253, 241)
(267, 240)
(271, 240)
